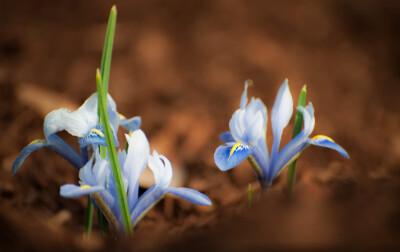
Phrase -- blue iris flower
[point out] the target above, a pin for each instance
(97, 180)
(82, 123)
(247, 136)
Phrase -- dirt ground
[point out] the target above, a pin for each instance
(181, 66)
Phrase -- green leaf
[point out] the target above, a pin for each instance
(107, 49)
(89, 218)
(113, 157)
(291, 175)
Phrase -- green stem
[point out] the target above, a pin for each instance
(291, 175)
(113, 157)
(89, 218)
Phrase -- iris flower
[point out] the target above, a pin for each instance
(247, 136)
(82, 123)
(99, 182)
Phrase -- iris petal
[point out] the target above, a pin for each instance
(74, 191)
(280, 116)
(225, 160)
(227, 137)
(327, 142)
(131, 124)
(189, 194)
(136, 162)
(34, 145)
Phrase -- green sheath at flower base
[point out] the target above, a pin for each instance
(291, 175)
(113, 157)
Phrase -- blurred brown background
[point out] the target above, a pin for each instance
(181, 66)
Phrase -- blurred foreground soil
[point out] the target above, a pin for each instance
(181, 66)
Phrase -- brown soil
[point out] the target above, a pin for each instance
(181, 65)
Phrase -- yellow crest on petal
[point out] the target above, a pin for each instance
(323, 137)
(234, 148)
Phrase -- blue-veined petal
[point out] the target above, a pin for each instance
(34, 145)
(227, 137)
(131, 124)
(280, 116)
(146, 202)
(74, 191)
(328, 142)
(189, 194)
(53, 142)
(135, 162)
(291, 151)
(227, 157)
(96, 136)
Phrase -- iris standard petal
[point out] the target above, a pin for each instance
(328, 142)
(237, 126)
(74, 191)
(131, 124)
(227, 137)
(280, 116)
(77, 123)
(189, 194)
(243, 99)
(136, 162)
(161, 168)
(227, 157)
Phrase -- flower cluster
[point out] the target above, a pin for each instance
(247, 136)
(95, 174)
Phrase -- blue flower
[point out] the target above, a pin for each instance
(247, 136)
(83, 123)
(99, 182)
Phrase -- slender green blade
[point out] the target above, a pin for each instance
(291, 175)
(113, 157)
(89, 217)
(107, 49)
(250, 195)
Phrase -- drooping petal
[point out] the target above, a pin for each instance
(227, 137)
(136, 162)
(189, 194)
(131, 124)
(74, 191)
(54, 143)
(227, 157)
(328, 142)
(77, 123)
(280, 116)
(34, 145)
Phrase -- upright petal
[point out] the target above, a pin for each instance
(161, 168)
(280, 116)
(136, 162)
(243, 99)
(227, 157)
